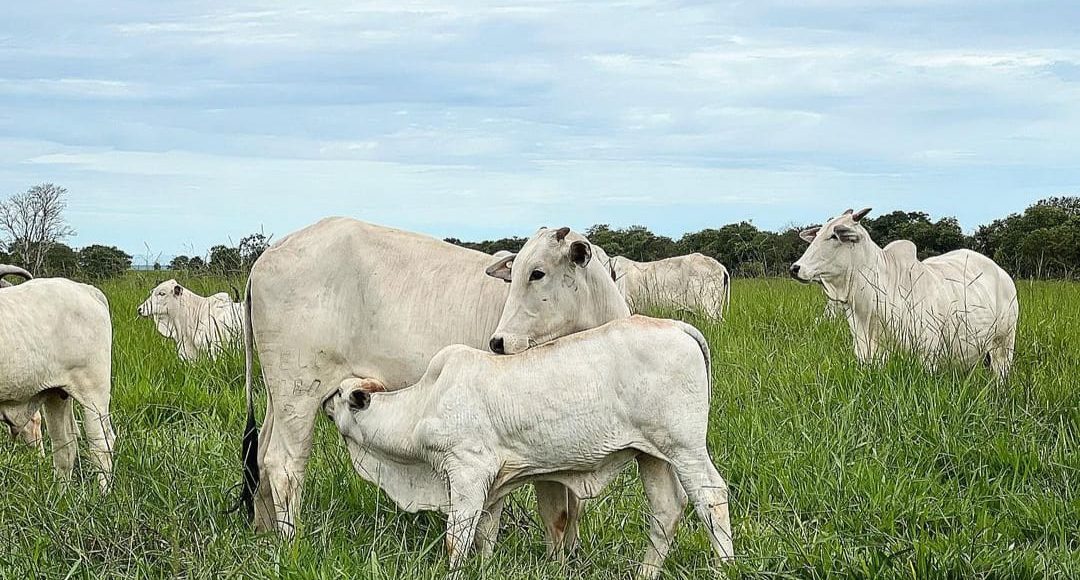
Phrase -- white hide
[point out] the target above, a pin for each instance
(574, 411)
(958, 306)
(198, 325)
(343, 300)
(56, 345)
(694, 282)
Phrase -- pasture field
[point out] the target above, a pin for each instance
(835, 469)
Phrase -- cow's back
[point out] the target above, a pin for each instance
(344, 298)
(53, 329)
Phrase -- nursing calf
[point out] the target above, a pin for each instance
(575, 411)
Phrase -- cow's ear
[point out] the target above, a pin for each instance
(580, 253)
(809, 234)
(846, 234)
(561, 233)
(177, 290)
(359, 400)
(860, 214)
(501, 268)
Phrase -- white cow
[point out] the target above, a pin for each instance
(199, 326)
(959, 305)
(575, 412)
(694, 282)
(56, 340)
(344, 300)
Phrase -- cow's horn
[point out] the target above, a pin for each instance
(860, 214)
(6, 270)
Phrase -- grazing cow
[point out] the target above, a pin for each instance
(343, 300)
(56, 336)
(959, 305)
(198, 325)
(694, 282)
(575, 412)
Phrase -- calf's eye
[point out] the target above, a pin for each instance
(536, 275)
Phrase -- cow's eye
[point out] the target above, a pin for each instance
(160, 293)
(536, 275)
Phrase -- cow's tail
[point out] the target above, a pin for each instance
(249, 452)
(703, 344)
(727, 293)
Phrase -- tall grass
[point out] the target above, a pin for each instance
(835, 468)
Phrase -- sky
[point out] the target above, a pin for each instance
(179, 125)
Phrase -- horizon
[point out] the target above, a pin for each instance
(182, 129)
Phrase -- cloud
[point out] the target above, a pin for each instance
(463, 116)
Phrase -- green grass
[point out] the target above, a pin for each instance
(835, 469)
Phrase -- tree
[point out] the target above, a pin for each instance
(224, 260)
(33, 221)
(99, 262)
(179, 263)
(196, 264)
(61, 260)
(251, 247)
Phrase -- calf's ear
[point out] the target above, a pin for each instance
(809, 234)
(177, 290)
(359, 400)
(501, 268)
(580, 253)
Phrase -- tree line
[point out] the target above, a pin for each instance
(1043, 241)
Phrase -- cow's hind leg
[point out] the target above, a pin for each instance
(560, 511)
(265, 514)
(1001, 356)
(56, 408)
(667, 501)
(97, 424)
(287, 451)
(709, 494)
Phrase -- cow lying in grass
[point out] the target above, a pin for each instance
(199, 325)
(958, 306)
(56, 347)
(575, 411)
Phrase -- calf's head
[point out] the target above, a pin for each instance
(836, 249)
(342, 407)
(559, 285)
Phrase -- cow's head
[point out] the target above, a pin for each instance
(163, 304)
(836, 248)
(23, 422)
(559, 285)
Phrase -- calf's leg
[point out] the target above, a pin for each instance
(667, 501)
(487, 529)
(709, 494)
